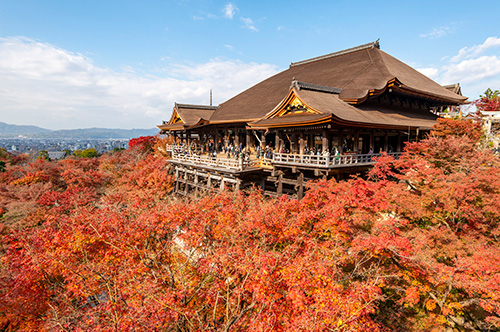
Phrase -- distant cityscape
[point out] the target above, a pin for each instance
(34, 145)
(31, 139)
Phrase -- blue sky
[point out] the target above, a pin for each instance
(122, 64)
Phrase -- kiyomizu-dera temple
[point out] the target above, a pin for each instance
(325, 116)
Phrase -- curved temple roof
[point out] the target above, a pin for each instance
(352, 75)
(187, 115)
(326, 107)
(357, 71)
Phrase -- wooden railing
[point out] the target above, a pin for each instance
(178, 148)
(328, 161)
(236, 164)
(179, 153)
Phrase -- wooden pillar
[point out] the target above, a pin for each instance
(263, 139)
(326, 146)
(386, 141)
(209, 180)
(222, 183)
(176, 179)
(372, 140)
(195, 183)
(280, 185)
(341, 141)
(238, 183)
(236, 137)
(188, 138)
(247, 141)
(293, 144)
(356, 141)
(300, 186)
(216, 140)
(186, 187)
(277, 140)
(301, 143)
(398, 144)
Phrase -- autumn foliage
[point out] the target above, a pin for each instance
(102, 245)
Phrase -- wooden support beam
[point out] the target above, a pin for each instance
(325, 143)
(356, 142)
(176, 179)
(300, 186)
(301, 143)
(236, 137)
(293, 143)
(247, 141)
(398, 144)
(279, 190)
(386, 141)
(195, 183)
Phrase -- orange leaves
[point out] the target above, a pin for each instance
(413, 248)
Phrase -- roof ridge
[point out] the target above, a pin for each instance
(203, 107)
(371, 45)
(315, 87)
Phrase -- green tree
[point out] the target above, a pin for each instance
(43, 154)
(490, 94)
(89, 153)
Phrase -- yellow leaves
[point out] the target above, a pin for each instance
(430, 305)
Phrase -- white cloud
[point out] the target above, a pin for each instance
(469, 52)
(249, 23)
(229, 47)
(438, 32)
(229, 10)
(53, 88)
(431, 72)
(472, 70)
(475, 67)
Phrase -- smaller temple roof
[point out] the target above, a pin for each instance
(455, 88)
(188, 115)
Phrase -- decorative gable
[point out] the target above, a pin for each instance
(292, 105)
(175, 118)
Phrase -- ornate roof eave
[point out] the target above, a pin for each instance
(233, 121)
(292, 93)
(331, 119)
(396, 85)
(172, 127)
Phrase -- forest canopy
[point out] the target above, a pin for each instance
(100, 244)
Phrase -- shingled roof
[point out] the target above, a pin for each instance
(326, 106)
(188, 115)
(358, 72)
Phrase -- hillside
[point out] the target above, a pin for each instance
(102, 245)
(9, 130)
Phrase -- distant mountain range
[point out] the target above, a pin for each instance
(9, 131)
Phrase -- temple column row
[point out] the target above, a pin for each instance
(356, 141)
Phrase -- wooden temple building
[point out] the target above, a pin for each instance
(325, 116)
